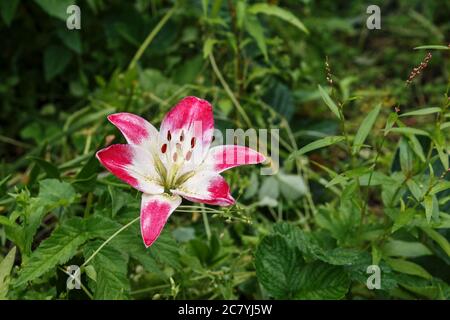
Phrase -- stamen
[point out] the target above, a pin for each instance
(193, 142)
(169, 135)
(188, 155)
(164, 148)
(182, 136)
(175, 157)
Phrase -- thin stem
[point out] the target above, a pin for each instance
(229, 92)
(150, 37)
(206, 223)
(108, 240)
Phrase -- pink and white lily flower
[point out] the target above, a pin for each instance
(175, 162)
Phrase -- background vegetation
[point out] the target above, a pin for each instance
(372, 190)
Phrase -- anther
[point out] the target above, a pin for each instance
(193, 142)
(164, 148)
(169, 136)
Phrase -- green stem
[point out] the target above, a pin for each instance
(229, 92)
(150, 37)
(206, 223)
(108, 240)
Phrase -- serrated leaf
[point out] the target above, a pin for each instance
(278, 12)
(57, 249)
(422, 112)
(365, 128)
(278, 267)
(320, 281)
(53, 192)
(329, 102)
(321, 143)
(111, 266)
(5, 270)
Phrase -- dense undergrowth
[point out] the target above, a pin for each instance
(364, 155)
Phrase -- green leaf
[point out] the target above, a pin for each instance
(55, 193)
(406, 249)
(5, 269)
(393, 116)
(439, 238)
(431, 205)
(320, 281)
(329, 102)
(57, 249)
(56, 8)
(256, 31)
(445, 125)
(56, 59)
(321, 143)
(278, 267)
(8, 10)
(365, 128)
(208, 47)
(406, 157)
(291, 186)
(432, 47)
(51, 170)
(278, 12)
(409, 130)
(408, 267)
(421, 112)
(71, 39)
(111, 267)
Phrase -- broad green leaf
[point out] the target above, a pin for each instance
(329, 102)
(365, 128)
(445, 125)
(416, 146)
(408, 267)
(56, 59)
(439, 238)
(321, 143)
(5, 270)
(111, 272)
(278, 12)
(320, 281)
(440, 186)
(278, 267)
(56, 8)
(291, 186)
(8, 10)
(409, 130)
(406, 249)
(57, 249)
(255, 30)
(421, 112)
(443, 156)
(55, 193)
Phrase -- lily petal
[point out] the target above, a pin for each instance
(206, 187)
(135, 129)
(133, 165)
(188, 126)
(155, 210)
(224, 157)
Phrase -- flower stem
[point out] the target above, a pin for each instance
(108, 240)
